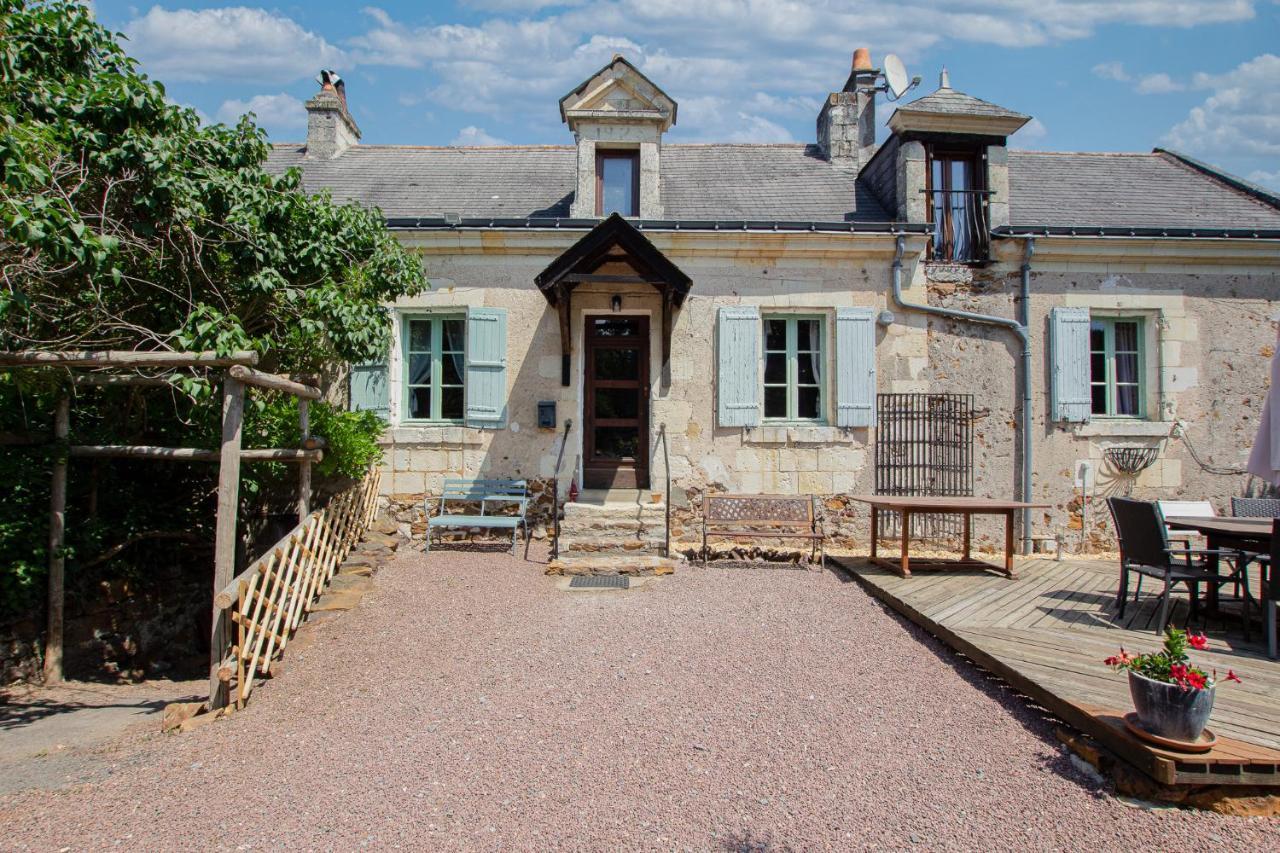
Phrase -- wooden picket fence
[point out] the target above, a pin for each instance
(270, 599)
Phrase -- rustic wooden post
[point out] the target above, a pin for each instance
(304, 467)
(224, 549)
(57, 541)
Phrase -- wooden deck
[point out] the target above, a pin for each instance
(1047, 633)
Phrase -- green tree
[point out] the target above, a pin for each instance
(127, 224)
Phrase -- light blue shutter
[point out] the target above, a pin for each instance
(855, 367)
(486, 380)
(1069, 348)
(739, 362)
(369, 389)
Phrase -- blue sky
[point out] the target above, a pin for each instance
(1200, 76)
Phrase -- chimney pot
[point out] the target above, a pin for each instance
(862, 59)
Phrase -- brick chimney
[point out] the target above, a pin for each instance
(330, 127)
(847, 122)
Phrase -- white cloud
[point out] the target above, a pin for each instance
(472, 135)
(1241, 117)
(235, 43)
(276, 113)
(1111, 71)
(1158, 84)
(1029, 136)
(752, 128)
(750, 59)
(1268, 179)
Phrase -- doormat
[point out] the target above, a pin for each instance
(600, 582)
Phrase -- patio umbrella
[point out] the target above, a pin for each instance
(1264, 461)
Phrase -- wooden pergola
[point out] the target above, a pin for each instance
(238, 372)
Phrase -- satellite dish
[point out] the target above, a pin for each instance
(895, 75)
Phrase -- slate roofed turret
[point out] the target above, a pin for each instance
(947, 110)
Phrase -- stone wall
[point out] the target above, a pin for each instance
(1213, 384)
(1209, 337)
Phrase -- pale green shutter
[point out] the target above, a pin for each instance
(738, 377)
(855, 367)
(486, 380)
(1069, 350)
(369, 389)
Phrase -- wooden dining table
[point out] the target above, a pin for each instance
(1242, 534)
(966, 507)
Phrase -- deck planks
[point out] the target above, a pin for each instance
(1048, 631)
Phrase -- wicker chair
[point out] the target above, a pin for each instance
(1144, 550)
(1255, 507)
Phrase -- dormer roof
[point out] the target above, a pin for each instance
(618, 91)
(947, 110)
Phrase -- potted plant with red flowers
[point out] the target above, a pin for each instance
(1173, 698)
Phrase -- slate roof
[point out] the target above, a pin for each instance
(1157, 190)
(782, 183)
(948, 101)
(764, 182)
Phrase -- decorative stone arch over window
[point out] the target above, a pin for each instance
(620, 111)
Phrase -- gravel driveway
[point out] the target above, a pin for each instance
(468, 702)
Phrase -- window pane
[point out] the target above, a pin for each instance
(775, 367)
(419, 369)
(807, 335)
(1099, 399)
(807, 368)
(775, 402)
(1097, 336)
(807, 403)
(420, 335)
(1098, 367)
(603, 327)
(617, 403)
(454, 336)
(420, 403)
(1127, 367)
(618, 177)
(617, 442)
(1127, 400)
(1126, 337)
(617, 364)
(451, 404)
(775, 334)
(451, 367)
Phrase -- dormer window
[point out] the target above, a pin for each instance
(618, 183)
(957, 207)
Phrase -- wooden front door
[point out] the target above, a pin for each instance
(616, 402)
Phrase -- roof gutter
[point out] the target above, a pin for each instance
(1020, 232)
(441, 223)
(1020, 329)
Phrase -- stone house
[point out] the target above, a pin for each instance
(752, 317)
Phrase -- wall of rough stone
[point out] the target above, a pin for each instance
(1211, 331)
(1209, 338)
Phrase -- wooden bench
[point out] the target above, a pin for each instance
(483, 492)
(764, 517)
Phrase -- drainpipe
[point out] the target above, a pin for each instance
(1020, 329)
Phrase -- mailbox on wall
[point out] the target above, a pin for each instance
(547, 414)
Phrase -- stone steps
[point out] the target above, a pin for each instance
(614, 565)
(617, 529)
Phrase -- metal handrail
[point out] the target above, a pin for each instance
(974, 216)
(555, 493)
(666, 497)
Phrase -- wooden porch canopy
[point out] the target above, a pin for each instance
(614, 252)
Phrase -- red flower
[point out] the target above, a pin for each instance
(1231, 676)
(1198, 641)
(1196, 680)
(1121, 659)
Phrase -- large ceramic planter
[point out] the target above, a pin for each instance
(1169, 711)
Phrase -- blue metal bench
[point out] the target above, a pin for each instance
(483, 492)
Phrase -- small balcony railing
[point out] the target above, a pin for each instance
(962, 232)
